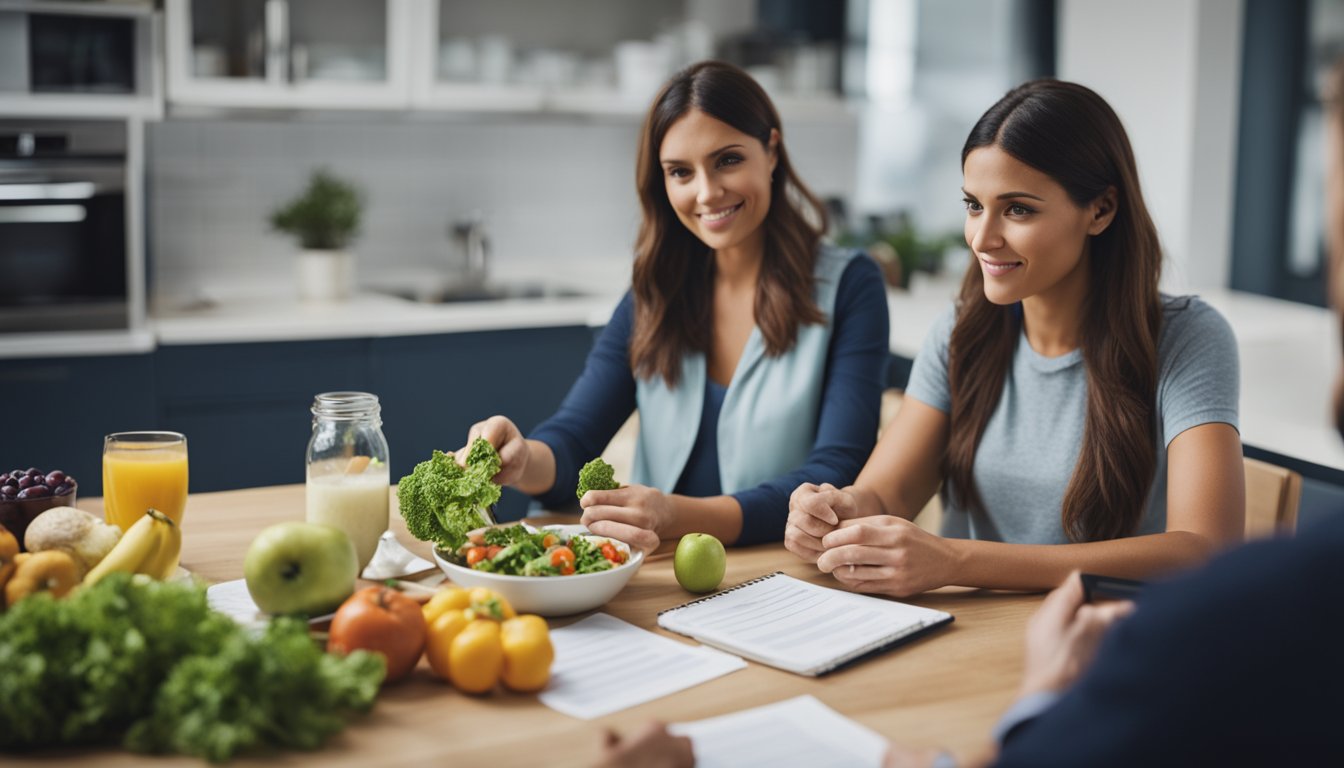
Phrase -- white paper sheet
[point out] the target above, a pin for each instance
(797, 731)
(232, 599)
(603, 665)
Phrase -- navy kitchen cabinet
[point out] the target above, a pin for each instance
(56, 411)
(433, 388)
(245, 407)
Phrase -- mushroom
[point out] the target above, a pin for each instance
(75, 532)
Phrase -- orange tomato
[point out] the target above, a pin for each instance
(382, 620)
(563, 558)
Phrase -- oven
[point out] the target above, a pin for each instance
(63, 226)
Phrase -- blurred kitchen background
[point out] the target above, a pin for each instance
(145, 145)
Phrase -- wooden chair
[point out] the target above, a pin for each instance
(1272, 497)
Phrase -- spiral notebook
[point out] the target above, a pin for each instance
(798, 626)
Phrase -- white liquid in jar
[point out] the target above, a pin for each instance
(357, 504)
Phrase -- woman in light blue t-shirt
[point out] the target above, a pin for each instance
(1063, 402)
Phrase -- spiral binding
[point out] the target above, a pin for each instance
(721, 592)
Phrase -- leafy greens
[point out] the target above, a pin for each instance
(441, 500)
(147, 663)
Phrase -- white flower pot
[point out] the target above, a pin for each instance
(325, 275)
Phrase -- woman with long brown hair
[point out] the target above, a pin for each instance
(753, 354)
(1062, 401)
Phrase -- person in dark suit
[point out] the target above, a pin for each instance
(1236, 663)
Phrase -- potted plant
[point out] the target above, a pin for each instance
(325, 219)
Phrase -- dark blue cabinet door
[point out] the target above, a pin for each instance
(433, 388)
(245, 407)
(54, 412)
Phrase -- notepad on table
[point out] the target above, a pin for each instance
(798, 626)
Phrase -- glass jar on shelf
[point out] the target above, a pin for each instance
(347, 477)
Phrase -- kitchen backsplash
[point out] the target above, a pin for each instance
(558, 194)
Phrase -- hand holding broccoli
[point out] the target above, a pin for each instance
(596, 475)
(441, 500)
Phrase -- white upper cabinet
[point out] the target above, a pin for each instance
(289, 54)
(576, 56)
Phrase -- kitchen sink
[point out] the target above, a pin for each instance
(460, 294)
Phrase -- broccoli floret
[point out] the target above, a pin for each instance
(440, 501)
(596, 475)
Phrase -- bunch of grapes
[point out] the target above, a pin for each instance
(33, 483)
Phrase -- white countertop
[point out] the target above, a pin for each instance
(1289, 359)
(368, 315)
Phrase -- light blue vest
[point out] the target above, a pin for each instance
(769, 417)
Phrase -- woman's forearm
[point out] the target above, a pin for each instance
(539, 474)
(996, 565)
(719, 516)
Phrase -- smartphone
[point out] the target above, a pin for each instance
(1098, 588)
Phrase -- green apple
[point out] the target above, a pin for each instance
(300, 568)
(699, 562)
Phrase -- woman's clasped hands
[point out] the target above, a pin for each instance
(874, 553)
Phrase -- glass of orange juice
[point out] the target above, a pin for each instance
(143, 470)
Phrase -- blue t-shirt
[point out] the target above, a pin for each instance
(1030, 446)
(603, 397)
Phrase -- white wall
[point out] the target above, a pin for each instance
(1172, 70)
(558, 194)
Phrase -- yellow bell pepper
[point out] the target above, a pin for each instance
(449, 599)
(476, 657)
(439, 642)
(528, 653)
(489, 604)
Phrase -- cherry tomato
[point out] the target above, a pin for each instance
(491, 551)
(549, 540)
(609, 551)
(475, 555)
(384, 621)
(562, 558)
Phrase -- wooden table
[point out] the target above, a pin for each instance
(945, 689)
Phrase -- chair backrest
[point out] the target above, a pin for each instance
(1272, 497)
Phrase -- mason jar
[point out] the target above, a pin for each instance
(348, 483)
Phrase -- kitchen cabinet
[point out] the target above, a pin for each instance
(288, 54)
(590, 57)
(245, 407)
(605, 57)
(56, 411)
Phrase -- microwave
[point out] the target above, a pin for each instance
(64, 262)
(68, 49)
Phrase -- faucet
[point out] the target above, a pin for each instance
(470, 236)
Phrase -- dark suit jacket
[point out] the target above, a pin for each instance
(1237, 663)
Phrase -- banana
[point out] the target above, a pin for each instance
(163, 563)
(140, 543)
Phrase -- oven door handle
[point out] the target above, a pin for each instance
(42, 214)
(56, 190)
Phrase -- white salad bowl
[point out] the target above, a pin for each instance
(551, 595)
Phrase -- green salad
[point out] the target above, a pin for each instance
(516, 550)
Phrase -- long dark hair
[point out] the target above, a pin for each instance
(1072, 135)
(674, 271)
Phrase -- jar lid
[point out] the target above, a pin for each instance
(345, 405)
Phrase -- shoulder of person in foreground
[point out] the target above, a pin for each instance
(1233, 663)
